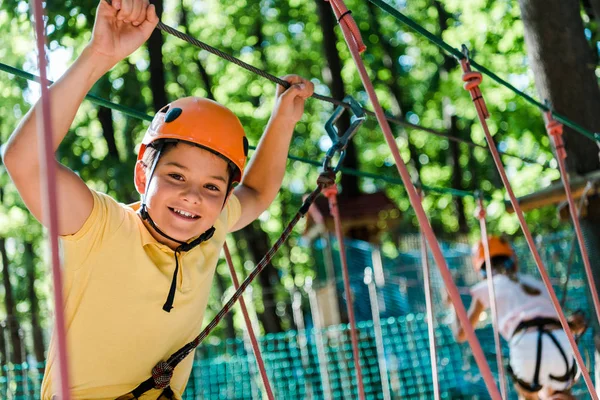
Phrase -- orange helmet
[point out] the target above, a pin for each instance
(205, 123)
(498, 247)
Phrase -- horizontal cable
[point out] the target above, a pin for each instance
(458, 54)
(145, 117)
(191, 40)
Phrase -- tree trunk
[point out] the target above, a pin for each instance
(103, 88)
(108, 131)
(11, 307)
(258, 246)
(38, 335)
(400, 104)
(3, 352)
(157, 68)
(333, 76)
(184, 22)
(452, 125)
(564, 73)
(457, 175)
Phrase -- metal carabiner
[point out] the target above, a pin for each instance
(340, 142)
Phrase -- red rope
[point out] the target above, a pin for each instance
(255, 346)
(555, 130)
(492, 293)
(46, 150)
(468, 74)
(331, 193)
(344, 18)
(421, 216)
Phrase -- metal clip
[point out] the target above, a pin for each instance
(340, 142)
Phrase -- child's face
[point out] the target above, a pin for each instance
(187, 191)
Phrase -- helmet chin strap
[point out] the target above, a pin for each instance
(183, 246)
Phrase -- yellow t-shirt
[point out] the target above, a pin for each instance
(116, 280)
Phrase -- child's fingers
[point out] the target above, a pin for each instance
(136, 10)
(151, 18)
(142, 15)
(291, 79)
(308, 90)
(108, 9)
(125, 11)
(301, 87)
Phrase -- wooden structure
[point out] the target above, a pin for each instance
(371, 214)
(587, 185)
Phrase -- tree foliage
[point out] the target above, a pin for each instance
(413, 78)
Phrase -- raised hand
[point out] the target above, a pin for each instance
(121, 27)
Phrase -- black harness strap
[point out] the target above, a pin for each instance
(541, 324)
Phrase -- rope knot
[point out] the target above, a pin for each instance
(162, 374)
(326, 179)
(344, 17)
(554, 128)
(480, 213)
(330, 191)
(555, 131)
(472, 80)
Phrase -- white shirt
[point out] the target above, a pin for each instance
(513, 304)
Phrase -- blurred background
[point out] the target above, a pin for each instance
(548, 50)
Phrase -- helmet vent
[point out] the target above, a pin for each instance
(245, 146)
(165, 109)
(173, 114)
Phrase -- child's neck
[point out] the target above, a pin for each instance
(160, 238)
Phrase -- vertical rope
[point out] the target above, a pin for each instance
(571, 258)
(331, 194)
(255, 346)
(422, 217)
(46, 151)
(492, 293)
(383, 372)
(472, 80)
(318, 329)
(430, 318)
(555, 130)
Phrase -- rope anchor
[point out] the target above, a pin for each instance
(340, 142)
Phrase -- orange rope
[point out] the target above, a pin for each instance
(46, 147)
(415, 201)
(253, 340)
(555, 131)
(483, 115)
(331, 193)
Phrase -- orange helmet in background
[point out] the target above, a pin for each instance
(202, 122)
(499, 246)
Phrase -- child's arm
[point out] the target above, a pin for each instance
(119, 30)
(474, 313)
(264, 174)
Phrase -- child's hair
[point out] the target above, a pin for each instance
(506, 265)
(151, 153)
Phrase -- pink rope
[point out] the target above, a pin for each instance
(46, 149)
(430, 317)
(255, 346)
(331, 194)
(555, 130)
(472, 80)
(421, 216)
(492, 293)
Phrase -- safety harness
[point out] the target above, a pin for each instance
(543, 326)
